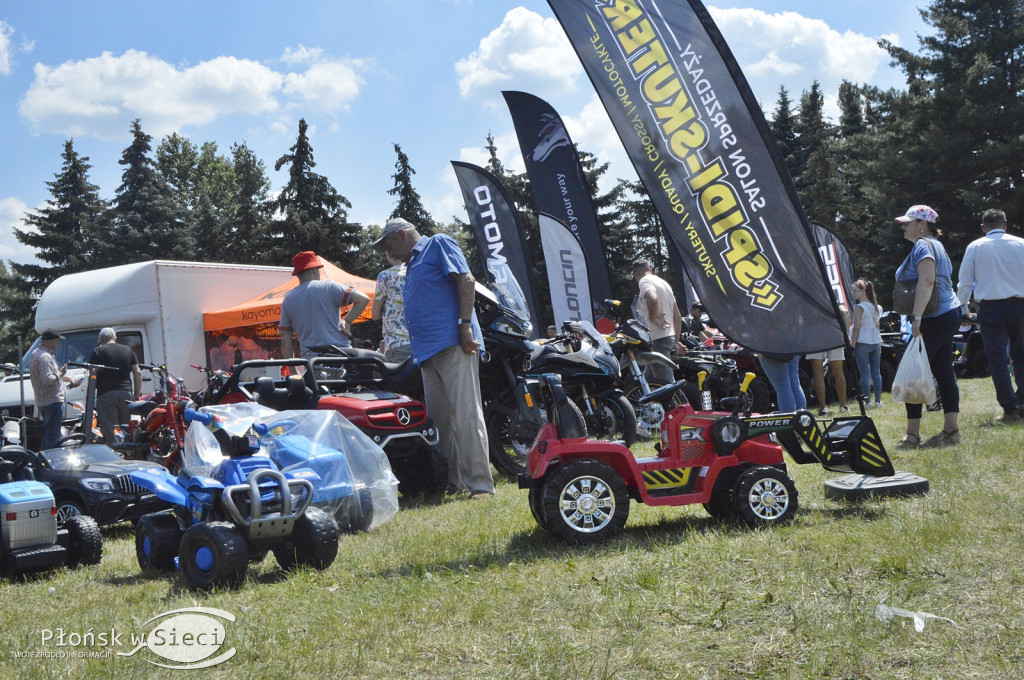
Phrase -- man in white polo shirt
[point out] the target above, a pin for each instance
(993, 270)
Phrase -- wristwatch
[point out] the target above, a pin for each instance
(911, 318)
(462, 321)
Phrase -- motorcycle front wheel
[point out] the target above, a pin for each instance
(613, 419)
(509, 438)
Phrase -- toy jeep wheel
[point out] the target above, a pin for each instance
(68, 507)
(426, 473)
(537, 504)
(85, 544)
(764, 496)
(314, 542)
(356, 512)
(213, 554)
(156, 541)
(721, 505)
(584, 501)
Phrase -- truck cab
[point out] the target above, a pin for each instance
(76, 347)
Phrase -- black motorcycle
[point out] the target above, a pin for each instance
(969, 358)
(590, 375)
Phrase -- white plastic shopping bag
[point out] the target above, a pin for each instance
(913, 383)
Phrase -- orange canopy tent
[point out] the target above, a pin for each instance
(266, 308)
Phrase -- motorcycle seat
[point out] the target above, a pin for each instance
(663, 393)
(187, 473)
(142, 408)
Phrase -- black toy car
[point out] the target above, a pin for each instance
(91, 479)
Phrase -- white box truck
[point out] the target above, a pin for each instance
(156, 307)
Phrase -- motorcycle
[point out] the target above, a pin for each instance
(590, 375)
(631, 343)
(969, 358)
(159, 433)
(725, 369)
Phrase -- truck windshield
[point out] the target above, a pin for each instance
(78, 345)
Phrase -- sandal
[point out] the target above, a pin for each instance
(909, 441)
(944, 439)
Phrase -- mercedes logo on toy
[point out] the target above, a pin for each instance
(403, 416)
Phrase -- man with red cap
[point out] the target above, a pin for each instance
(312, 310)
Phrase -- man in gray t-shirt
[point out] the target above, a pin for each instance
(311, 311)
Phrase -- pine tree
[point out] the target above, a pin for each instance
(64, 227)
(968, 113)
(783, 127)
(314, 215)
(16, 314)
(247, 225)
(146, 220)
(410, 206)
(816, 177)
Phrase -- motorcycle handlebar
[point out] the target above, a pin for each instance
(193, 415)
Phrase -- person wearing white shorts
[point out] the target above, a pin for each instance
(835, 358)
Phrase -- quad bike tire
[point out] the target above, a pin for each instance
(213, 554)
(536, 505)
(584, 502)
(157, 537)
(765, 496)
(424, 473)
(85, 543)
(313, 543)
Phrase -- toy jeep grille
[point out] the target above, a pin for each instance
(125, 485)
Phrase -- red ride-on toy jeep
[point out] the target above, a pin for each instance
(350, 386)
(731, 462)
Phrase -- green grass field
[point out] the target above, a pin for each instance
(474, 589)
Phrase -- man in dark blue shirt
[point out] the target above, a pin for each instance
(446, 341)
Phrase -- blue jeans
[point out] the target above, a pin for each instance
(869, 365)
(785, 378)
(938, 332)
(52, 414)
(1002, 324)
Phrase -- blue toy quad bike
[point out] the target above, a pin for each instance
(28, 522)
(225, 515)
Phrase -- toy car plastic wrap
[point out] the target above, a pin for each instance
(355, 483)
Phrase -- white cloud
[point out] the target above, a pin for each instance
(5, 48)
(325, 86)
(100, 95)
(525, 45)
(12, 211)
(301, 54)
(793, 50)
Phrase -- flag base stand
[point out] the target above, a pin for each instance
(859, 487)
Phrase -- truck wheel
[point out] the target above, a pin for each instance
(85, 543)
(213, 554)
(765, 496)
(314, 542)
(584, 501)
(425, 473)
(157, 537)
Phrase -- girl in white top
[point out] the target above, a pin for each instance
(867, 340)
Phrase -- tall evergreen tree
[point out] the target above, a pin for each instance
(966, 87)
(409, 206)
(816, 178)
(16, 314)
(783, 127)
(146, 220)
(247, 225)
(313, 214)
(64, 227)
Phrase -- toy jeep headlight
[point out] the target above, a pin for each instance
(731, 432)
(98, 484)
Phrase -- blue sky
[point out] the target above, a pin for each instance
(426, 74)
